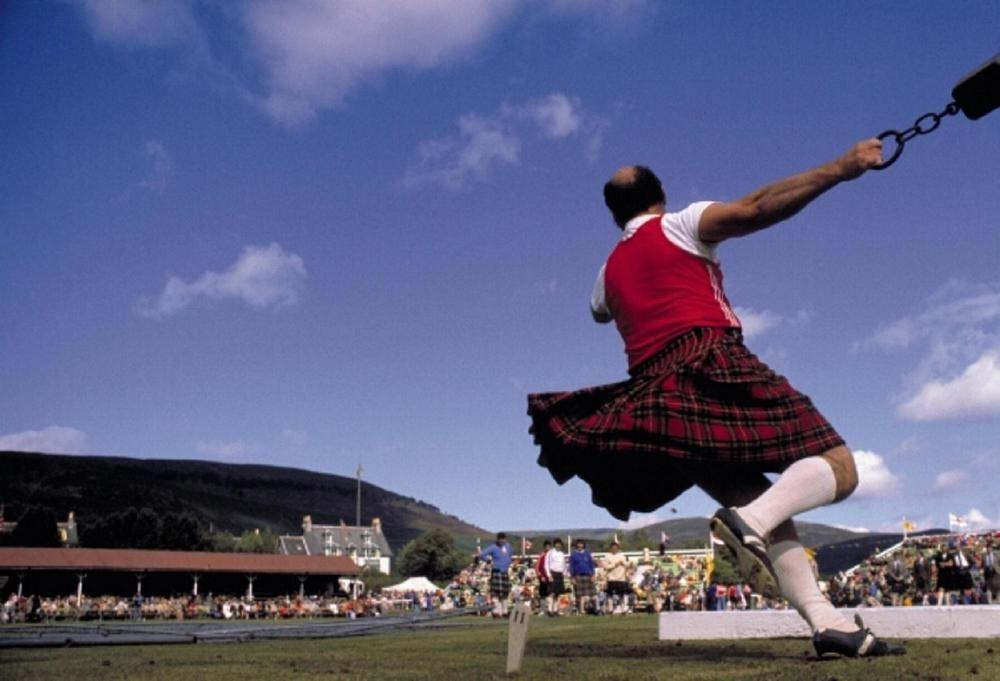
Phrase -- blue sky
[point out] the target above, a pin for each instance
(312, 234)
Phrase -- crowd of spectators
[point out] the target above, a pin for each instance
(669, 581)
(929, 570)
(926, 570)
(44, 609)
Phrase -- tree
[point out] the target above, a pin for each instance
(222, 541)
(431, 555)
(181, 532)
(375, 580)
(256, 541)
(637, 541)
(128, 529)
(36, 527)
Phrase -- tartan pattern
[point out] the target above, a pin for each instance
(583, 586)
(499, 583)
(704, 399)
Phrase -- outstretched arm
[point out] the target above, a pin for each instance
(783, 199)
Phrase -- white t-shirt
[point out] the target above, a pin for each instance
(555, 561)
(681, 229)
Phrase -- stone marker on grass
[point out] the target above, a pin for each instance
(517, 636)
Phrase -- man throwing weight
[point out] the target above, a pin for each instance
(699, 408)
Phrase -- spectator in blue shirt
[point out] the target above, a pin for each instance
(499, 555)
(581, 569)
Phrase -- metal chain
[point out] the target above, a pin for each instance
(923, 125)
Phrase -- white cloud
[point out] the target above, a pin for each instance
(956, 306)
(313, 53)
(755, 323)
(145, 23)
(977, 520)
(975, 393)
(292, 59)
(874, 477)
(958, 333)
(222, 450)
(852, 528)
(157, 153)
(481, 144)
(557, 116)
(485, 142)
(51, 440)
(759, 322)
(307, 55)
(949, 481)
(263, 277)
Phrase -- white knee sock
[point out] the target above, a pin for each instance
(806, 484)
(799, 587)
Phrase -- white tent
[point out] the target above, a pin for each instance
(416, 584)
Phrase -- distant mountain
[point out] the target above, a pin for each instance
(232, 497)
(684, 530)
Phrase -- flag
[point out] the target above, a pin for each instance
(956, 521)
(616, 538)
(909, 526)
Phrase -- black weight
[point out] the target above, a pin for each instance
(979, 92)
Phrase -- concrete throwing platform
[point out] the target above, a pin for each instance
(969, 621)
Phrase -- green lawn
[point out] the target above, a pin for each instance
(580, 649)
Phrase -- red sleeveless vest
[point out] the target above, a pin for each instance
(657, 291)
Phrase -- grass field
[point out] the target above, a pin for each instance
(581, 649)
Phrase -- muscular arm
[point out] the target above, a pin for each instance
(783, 199)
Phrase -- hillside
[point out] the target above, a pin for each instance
(232, 497)
(237, 497)
(683, 530)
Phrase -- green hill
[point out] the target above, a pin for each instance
(683, 531)
(231, 497)
(239, 497)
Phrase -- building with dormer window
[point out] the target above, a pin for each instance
(365, 545)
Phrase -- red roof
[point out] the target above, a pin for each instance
(134, 560)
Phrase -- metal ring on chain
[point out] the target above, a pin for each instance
(900, 143)
(901, 138)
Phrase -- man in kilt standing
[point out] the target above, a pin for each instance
(581, 569)
(498, 554)
(699, 408)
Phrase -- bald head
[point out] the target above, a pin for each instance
(631, 191)
(623, 176)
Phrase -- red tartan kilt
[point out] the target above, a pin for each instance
(705, 399)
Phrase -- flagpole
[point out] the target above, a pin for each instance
(359, 496)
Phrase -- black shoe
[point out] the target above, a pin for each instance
(750, 549)
(860, 643)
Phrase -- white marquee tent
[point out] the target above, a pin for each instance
(416, 584)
